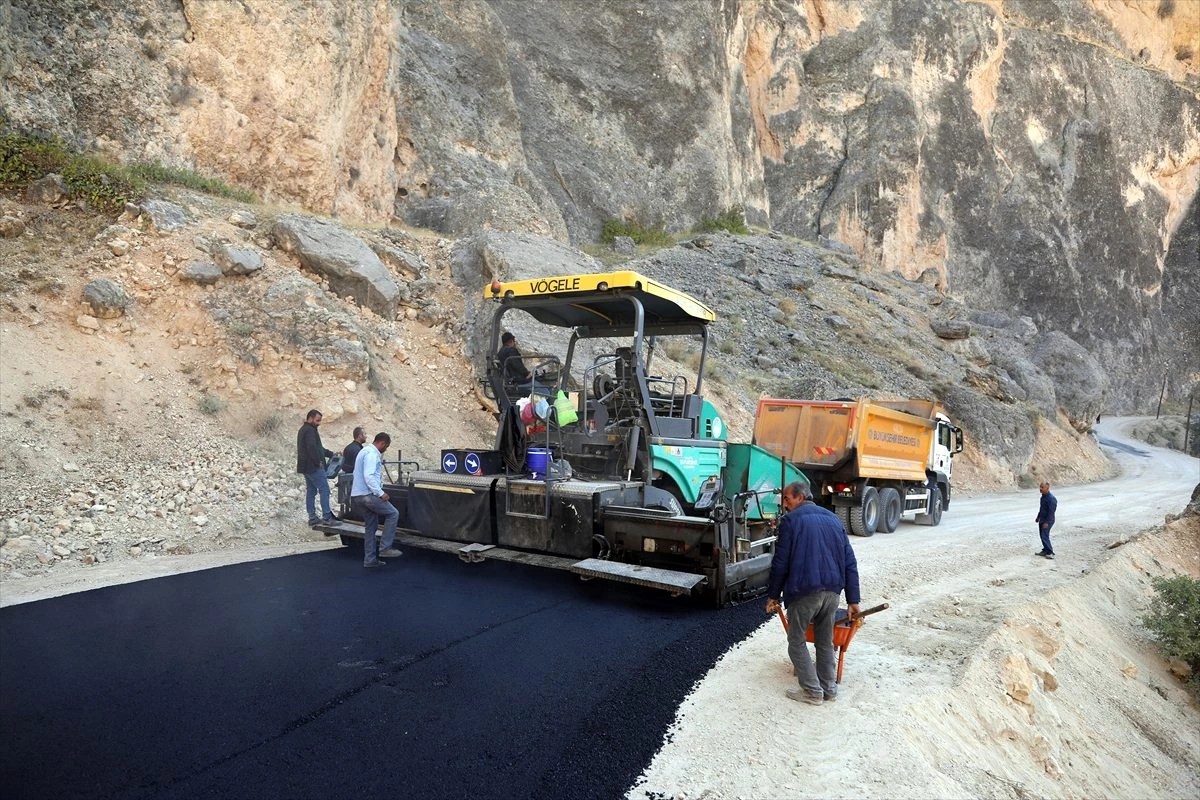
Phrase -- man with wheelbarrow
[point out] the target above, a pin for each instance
(813, 563)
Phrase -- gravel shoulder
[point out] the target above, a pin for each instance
(994, 673)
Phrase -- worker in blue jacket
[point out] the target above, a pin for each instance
(812, 565)
(1045, 519)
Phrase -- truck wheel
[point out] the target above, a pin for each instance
(935, 509)
(889, 502)
(864, 517)
(843, 514)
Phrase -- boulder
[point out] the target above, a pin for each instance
(11, 227)
(345, 261)
(490, 255)
(300, 314)
(243, 218)
(237, 260)
(624, 245)
(164, 216)
(950, 328)
(1002, 432)
(106, 298)
(1080, 385)
(205, 273)
(1010, 356)
(49, 189)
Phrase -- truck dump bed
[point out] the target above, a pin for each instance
(864, 438)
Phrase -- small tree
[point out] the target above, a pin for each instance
(1173, 619)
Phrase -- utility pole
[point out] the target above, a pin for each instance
(1160, 397)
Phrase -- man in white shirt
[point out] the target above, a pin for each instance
(369, 499)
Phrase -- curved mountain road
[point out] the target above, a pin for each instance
(307, 676)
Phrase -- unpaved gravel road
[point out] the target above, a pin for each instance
(973, 610)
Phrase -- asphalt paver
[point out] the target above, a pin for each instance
(309, 676)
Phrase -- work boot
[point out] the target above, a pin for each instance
(1047, 555)
(802, 695)
(373, 564)
(391, 552)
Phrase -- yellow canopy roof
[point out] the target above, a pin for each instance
(601, 301)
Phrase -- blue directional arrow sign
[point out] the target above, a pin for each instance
(449, 462)
(471, 462)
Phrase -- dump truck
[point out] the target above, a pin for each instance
(872, 462)
(626, 474)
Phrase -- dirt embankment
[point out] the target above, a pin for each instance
(993, 674)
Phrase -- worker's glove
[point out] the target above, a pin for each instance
(773, 606)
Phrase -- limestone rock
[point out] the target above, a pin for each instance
(1080, 383)
(89, 323)
(165, 216)
(490, 255)
(106, 298)
(624, 245)
(11, 227)
(243, 219)
(202, 272)
(1018, 678)
(345, 261)
(237, 260)
(300, 312)
(49, 189)
(950, 328)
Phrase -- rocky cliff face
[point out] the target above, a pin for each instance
(1041, 156)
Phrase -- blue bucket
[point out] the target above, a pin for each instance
(538, 461)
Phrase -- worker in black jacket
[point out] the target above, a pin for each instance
(350, 454)
(310, 462)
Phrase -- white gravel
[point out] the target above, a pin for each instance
(995, 673)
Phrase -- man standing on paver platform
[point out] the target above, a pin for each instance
(371, 502)
(813, 563)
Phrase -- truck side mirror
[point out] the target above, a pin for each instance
(958, 440)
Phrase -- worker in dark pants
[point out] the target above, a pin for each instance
(1045, 519)
(310, 462)
(812, 565)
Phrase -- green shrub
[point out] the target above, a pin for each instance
(97, 182)
(241, 329)
(641, 232)
(192, 180)
(93, 179)
(732, 219)
(210, 404)
(1173, 619)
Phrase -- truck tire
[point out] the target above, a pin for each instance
(890, 506)
(935, 509)
(843, 514)
(864, 517)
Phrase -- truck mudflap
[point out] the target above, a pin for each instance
(653, 577)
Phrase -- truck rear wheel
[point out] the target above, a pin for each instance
(935, 508)
(889, 503)
(843, 514)
(864, 517)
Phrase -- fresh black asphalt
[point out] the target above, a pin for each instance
(309, 676)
